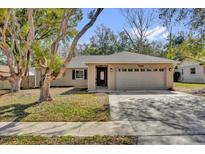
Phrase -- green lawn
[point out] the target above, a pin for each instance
(188, 87)
(39, 140)
(67, 106)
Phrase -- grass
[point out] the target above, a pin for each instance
(188, 87)
(39, 140)
(67, 106)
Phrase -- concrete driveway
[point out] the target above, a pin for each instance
(161, 117)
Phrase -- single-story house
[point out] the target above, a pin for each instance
(124, 70)
(27, 82)
(191, 71)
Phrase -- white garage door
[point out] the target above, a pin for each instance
(136, 78)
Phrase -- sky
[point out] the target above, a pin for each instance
(114, 19)
(109, 17)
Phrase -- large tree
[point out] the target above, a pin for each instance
(193, 18)
(186, 47)
(103, 42)
(189, 43)
(139, 22)
(46, 56)
(17, 34)
(123, 42)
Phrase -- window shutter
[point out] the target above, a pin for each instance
(85, 74)
(73, 74)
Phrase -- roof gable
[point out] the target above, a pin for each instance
(190, 61)
(121, 57)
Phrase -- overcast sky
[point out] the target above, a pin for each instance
(114, 19)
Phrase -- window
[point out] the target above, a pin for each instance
(149, 70)
(136, 69)
(192, 70)
(155, 70)
(161, 70)
(102, 75)
(124, 70)
(142, 70)
(79, 74)
(182, 71)
(130, 70)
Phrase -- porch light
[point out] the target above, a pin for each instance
(111, 69)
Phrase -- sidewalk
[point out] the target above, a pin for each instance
(66, 128)
(111, 128)
(146, 132)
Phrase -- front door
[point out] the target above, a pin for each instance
(101, 76)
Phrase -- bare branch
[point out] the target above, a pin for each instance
(131, 40)
(140, 21)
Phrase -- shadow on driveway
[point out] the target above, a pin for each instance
(186, 113)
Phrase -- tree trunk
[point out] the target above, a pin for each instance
(141, 48)
(170, 39)
(15, 84)
(45, 89)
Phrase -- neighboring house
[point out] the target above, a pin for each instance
(27, 82)
(4, 71)
(191, 71)
(122, 70)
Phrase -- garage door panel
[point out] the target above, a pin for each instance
(140, 80)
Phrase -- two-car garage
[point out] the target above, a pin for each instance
(131, 71)
(140, 78)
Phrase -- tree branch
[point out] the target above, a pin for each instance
(63, 30)
(75, 41)
(130, 38)
(4, 77)
(30, 38)
(44, 35)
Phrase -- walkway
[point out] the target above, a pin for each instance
(66, 128)
(132, 128)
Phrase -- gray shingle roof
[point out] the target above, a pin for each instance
(191, 61)
(122, 57)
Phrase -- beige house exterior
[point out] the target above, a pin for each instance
(67, 79)
(135, 76)
(119, 71)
